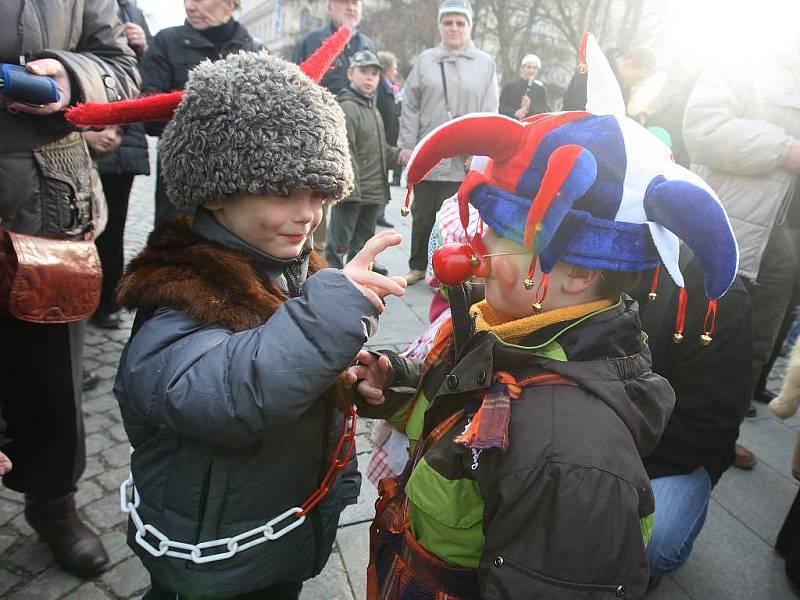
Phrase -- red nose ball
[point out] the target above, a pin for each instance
(453, 263)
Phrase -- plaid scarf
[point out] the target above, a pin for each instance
(489, 426)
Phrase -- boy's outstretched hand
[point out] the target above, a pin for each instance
(369, 376)
(373, 285)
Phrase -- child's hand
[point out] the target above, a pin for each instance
(369, 376)
(372, 285)
(5, 464)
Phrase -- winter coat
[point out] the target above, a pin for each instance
(389, 108)
(45, 183)
(370, 155)
(710, 382)
(225, 393)
(131, 156)
(512, 94)
(177, 50)
(335, 78)
(567, 510)
(738, 129)
(471, 78)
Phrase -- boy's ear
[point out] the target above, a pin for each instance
(580, 279)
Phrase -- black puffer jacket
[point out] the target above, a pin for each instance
(177, 50)
(45, 186)
(131, 156)
(710, 382)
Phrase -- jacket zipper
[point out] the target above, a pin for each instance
(618, 589)
(292, 279)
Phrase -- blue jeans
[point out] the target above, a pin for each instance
(681, 507)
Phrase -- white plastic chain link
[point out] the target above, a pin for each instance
(225, 547)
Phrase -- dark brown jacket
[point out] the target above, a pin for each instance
(567, 511)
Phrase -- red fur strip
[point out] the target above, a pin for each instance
(316, 65)
(158, 107)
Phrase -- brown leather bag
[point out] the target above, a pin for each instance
(44, 280)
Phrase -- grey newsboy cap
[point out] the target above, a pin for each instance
(254, 123)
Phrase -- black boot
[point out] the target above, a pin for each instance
(76, 548)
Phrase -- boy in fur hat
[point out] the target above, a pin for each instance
(528, 418)
(229, 386)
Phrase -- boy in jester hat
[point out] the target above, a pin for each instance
(528, 426)
(230, 387)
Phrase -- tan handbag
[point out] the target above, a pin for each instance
(43, 280)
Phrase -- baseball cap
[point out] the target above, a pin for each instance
(365, 58)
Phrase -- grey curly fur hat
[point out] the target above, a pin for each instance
(254, 123)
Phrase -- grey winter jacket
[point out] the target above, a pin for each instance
(45, 186)
(227, 428)
(738, 130)
(471, 77)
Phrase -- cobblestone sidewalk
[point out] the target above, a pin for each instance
(732, 560)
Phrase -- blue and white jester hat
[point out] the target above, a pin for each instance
(593, 189)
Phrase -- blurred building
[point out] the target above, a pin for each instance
(278, 24)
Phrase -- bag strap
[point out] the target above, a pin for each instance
(444, 87)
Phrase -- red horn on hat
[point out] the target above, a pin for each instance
(316, 65)
(160, 107)
(479, 134)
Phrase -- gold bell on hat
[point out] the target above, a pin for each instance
(677, 337)
(528, 283)
(537, 307)
(705, 339)
(652, 296)
(404, 212)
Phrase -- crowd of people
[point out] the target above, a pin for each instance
(562, 331)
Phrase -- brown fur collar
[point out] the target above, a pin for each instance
(211, 283)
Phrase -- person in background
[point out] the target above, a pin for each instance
(389, 107)
(526, 95)
(710, 383)
(209, 33)
(743, 137)
(451, 80)
(46, 191)
(630, 67)
(117, 169)
(352, 221)
(340, 12)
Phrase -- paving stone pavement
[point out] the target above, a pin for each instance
(732, 559)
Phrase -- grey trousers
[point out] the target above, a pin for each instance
(428, 198)
(778, 274)
(350, 225)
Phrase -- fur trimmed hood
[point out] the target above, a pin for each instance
(211, 283)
